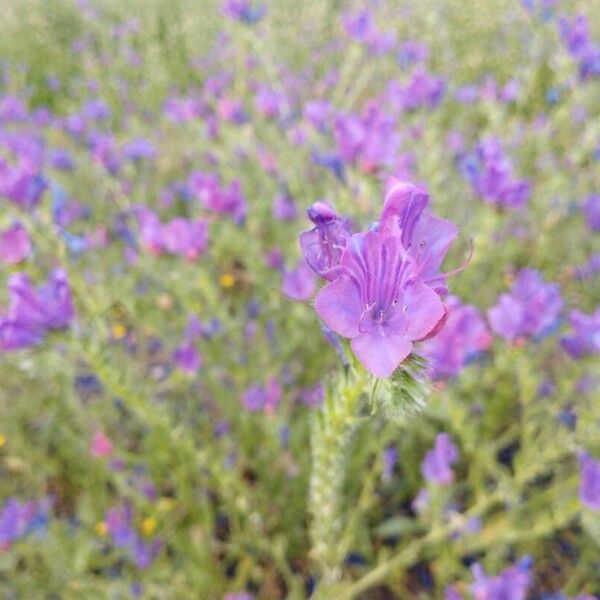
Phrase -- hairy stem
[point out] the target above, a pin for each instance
(332, 433)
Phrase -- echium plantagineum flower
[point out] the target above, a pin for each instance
(244, 11)
(369, 140)
(385, 292)
(491, 173)
(323, 245)
(21, 165)
(183, 237)
(17, 519)
(436, 467)
(216, 197)
(32, 313)
(591, 210)
(589, 487)
(119, 523)
(585, 338)
(463, 337)
(14, 244)
(575, 34)
(530, 310)
(510, 584)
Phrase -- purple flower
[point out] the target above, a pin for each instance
(244, 11)
(436, 466)
(378, 302)
(423, 90)
(369, 140)
(586, 334)
(317, 113)
(591, 210)
(119, 523)
(531, 308)
(269, 103)
(463, 336)
(589, 487)
(14, 244)
(425, 237)
(491, 174)
(284, 207)
(299, 283)
(187, 358)
(575, 34)
(31, 313)
(187, 238)
(227, 200)
(139, 149)
(323, 245)
(17, 519)
(313, 396)
(254, 398)
(510, 584)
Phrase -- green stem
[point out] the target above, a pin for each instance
(332, 433)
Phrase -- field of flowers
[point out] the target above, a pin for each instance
(300, 299)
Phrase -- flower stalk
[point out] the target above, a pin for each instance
(333, 428)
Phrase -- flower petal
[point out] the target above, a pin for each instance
(338, 304)
(424, 309)
(380, 354)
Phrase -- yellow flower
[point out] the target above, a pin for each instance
(148, 525)
(227, 280)
(101, 528)
(2, 441)
(118, 331)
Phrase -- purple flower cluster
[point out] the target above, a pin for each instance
(591, 210)
(464, 336)
(423, 90)
(510, 584)
(32, 312)
(182, 237)
(21, 164)
(244, 11)
(384, 293)
(575, 34)
(263, 397)
(491, 173)
(369, 140)
(119, 524)
(585, 338)
(218, 198)
(530, 310)
(18, 519)
(361, 27)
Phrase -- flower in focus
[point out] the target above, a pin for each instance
(323, 245)
(378, 302)
(436, 466)
(531, 309)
